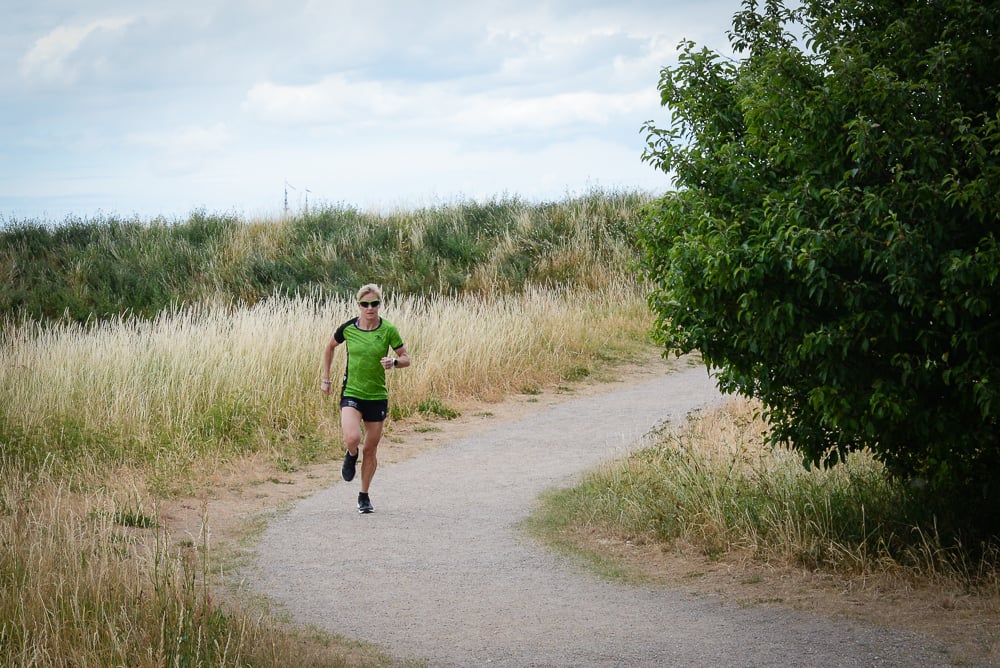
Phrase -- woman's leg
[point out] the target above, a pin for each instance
(373, 434)
(350, 425)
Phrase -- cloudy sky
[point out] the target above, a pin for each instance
(162, 108)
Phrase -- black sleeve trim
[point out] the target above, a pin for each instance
(338, 335)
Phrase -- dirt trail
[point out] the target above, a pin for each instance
(440, 571)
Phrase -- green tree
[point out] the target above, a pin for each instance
(831, 245)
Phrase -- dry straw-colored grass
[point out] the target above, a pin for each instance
(486, 347)
(91, 579)
(99, 419)
(82, 588)
(210, 379)
(717, 483)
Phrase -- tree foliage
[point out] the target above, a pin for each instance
(832, 242)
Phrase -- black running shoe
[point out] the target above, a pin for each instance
(350, 463)
(365, 504)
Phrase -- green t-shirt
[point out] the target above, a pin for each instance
(364, 377)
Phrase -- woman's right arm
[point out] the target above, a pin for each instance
(325, 384)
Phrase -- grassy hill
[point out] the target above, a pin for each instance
(103, 267)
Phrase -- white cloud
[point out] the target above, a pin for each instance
(183, 150)
(331, 100)
(657, 51)
(419, 173)
(489, 113)
(338, 101)
(217, 102)
(188, 138)
(50, 59)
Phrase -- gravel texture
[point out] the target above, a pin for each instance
(441, 571)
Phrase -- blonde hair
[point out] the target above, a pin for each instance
(369, 288)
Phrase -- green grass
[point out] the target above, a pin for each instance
(433, 407)
(103, 267)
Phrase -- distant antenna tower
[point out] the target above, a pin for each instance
(287, 186)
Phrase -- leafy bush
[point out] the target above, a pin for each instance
(832, 245)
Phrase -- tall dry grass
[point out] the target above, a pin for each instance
(212, 381)
(91, 579)
(98, 421)
(485, 347)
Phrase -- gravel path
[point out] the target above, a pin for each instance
(440, 570)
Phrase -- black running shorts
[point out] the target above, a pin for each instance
(372, 410)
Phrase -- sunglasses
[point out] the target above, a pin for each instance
(373, 304)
